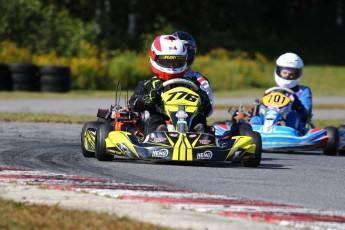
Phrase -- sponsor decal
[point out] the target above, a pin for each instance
(192, 135)
(204, 142)
(237, 154)
(162, 153)
(205, 155)
(125, 149)
(173, 134)
(159, 139)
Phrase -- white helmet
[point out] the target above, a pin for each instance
(292, 63)
(168, 57)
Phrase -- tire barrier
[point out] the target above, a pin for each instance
(6, 83)
(25, 77)
(55, 78)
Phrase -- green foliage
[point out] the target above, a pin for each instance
(232, 70)
(93, 69)
(43, 28)
(129, 67)
(160, 27)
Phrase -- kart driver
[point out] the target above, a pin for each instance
(145, 95)
(190, 44)
(288, 73)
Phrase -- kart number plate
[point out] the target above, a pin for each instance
(276, 99)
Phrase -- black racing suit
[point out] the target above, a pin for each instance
(136, 102)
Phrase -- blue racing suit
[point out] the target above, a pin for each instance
(294, 119)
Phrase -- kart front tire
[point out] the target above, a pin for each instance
(332, 143)
(341, 149)
(102, 133)
(84, 150)
(238, 129)
(253, 163)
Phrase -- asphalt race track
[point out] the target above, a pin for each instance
(311, 179)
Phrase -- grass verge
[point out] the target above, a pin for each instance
(17, 215)
(77, 119)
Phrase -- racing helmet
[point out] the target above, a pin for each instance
(190, 44)
(168, 57)
(289, 70)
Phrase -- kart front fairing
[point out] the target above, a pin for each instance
(284, 138)
(176, 146)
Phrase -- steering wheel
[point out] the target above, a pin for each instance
(178, 81)
(284, 89)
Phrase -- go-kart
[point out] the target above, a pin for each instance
(274, 106)
(118, 131)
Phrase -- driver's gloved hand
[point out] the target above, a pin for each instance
(206, 106)
(151, 98)
(297, 105)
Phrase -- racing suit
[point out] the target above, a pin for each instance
(136, 102)
(294, 119)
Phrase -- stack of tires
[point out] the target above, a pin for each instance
(29, 77)
(5, 78)
(55, 78)
(25, 77)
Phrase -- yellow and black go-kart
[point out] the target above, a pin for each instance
(118, 132)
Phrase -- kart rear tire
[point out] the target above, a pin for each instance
(253, 163)
(341, 145)
(88, 125)
(102, 133)
(333, 140)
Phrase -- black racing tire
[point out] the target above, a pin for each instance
(239, 128)
(55, 88)
(332, 143)
(55, 70)
(88, 125)
(102, 133)
(23, 68)
(25, 77)
(6, 82)
(253, 163)
(341, 150)
(55, 78)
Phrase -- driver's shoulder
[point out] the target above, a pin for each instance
(303, 87)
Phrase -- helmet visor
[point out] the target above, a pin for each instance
(288, 73)
(171, 61)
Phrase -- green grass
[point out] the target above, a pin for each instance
(15, 215)
(323, 81)
(45, 117)
(77, 119)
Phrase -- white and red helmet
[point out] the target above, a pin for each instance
(168, 57)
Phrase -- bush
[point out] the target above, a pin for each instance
(226, 70)
(42, 28)
(96, 70)
(129, 68)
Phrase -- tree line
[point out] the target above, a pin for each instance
(312, 28)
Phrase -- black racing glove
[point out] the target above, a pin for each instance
(151, 98)
(297, 105)
(206, 106)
